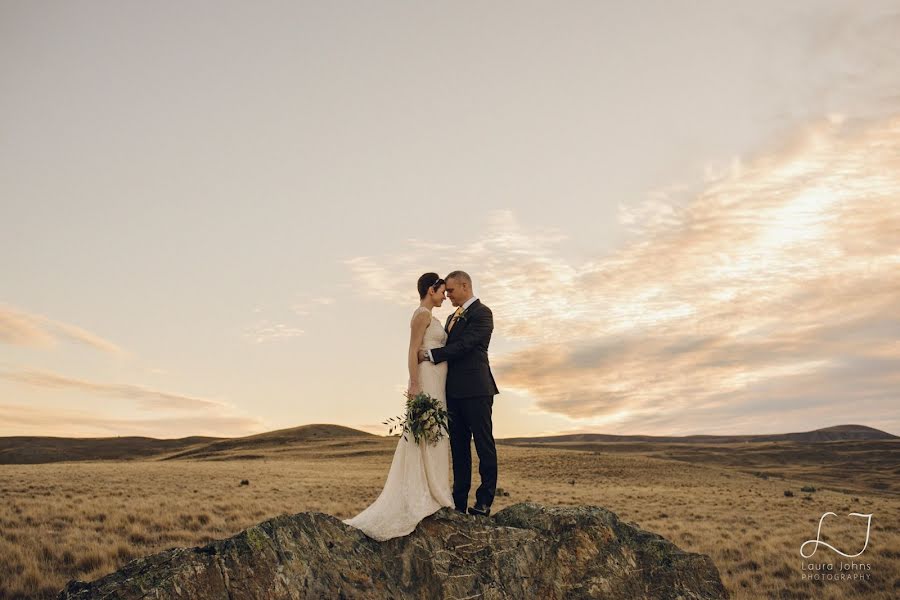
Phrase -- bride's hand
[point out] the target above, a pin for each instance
(414, 388)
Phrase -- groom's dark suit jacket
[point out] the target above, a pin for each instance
(466, 352)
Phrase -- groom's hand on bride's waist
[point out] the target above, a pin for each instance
(423, 355)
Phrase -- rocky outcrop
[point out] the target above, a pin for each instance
(524, 551)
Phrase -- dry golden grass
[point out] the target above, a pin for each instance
(84, 519)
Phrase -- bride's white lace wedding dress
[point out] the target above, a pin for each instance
(418, 483)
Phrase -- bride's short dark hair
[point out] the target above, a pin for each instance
(429, 280)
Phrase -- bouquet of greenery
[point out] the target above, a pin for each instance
(425, 418)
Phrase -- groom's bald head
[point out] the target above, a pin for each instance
(459, 287)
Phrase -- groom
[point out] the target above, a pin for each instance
(470, 393)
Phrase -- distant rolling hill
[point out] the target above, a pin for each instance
(332, 440)
(34, 450)
(25, 450)
(828, 434)
(845, 457)
(281, 438)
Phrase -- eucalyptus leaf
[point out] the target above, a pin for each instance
(425, 419)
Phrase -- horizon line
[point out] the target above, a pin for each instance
(516, 437)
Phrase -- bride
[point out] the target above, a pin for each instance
(418, 483)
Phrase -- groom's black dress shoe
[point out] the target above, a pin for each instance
(458, 509)
(480, 510)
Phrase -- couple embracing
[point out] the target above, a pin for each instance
(449, 363)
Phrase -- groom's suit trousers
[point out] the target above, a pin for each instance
(471, 418)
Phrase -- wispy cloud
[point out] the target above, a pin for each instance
(850, 59)
(27, 420)
(147, 399)
(307, 305)
(771, 292)
(266, 331)
(388, 285)
(175, 415)
(26, 329)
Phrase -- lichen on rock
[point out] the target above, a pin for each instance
(523, 551)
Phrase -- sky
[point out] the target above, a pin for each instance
(685, 216)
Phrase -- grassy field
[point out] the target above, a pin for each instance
(84, 519)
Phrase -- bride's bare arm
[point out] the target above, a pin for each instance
(417, 328)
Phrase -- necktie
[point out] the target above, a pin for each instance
(454, 319)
